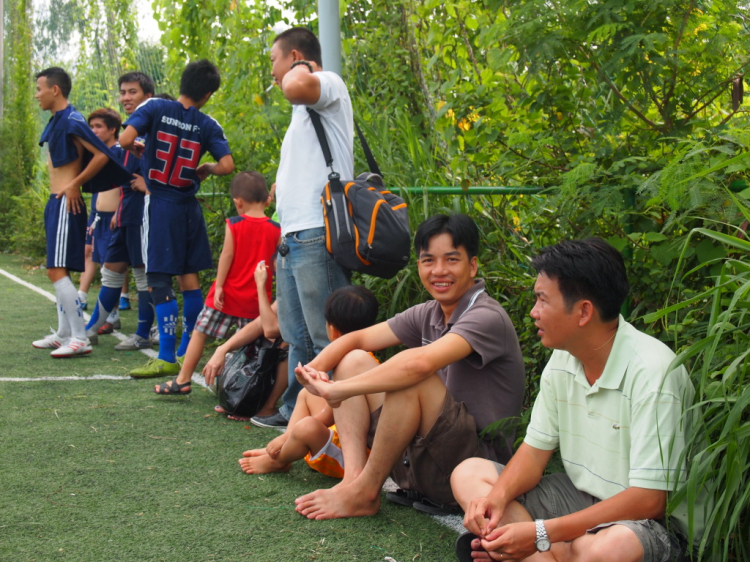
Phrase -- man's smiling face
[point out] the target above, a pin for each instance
(446, 272)
(131, 96)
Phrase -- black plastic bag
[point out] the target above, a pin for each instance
(248, 377)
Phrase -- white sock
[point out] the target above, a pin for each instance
(67, 301)
(114, 316)
(83, 297)
(63, 326)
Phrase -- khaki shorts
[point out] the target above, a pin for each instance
(427, 463)
(555, 496)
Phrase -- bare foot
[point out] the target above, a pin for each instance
(257, 461)
(337, 502)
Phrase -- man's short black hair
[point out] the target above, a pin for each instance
(143, 79)
(164, 96)
(110, 118)
(303, 40)
(463, 231)
(250, 187)
(56, 76)
(587, 269)
(351, 308)
(198, 79)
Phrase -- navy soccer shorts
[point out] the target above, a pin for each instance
(66, 235)
(174, 237)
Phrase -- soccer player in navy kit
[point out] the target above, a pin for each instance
(125, 246)
(69, 138)
(175, 238)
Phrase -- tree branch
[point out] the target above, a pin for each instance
(678, 40)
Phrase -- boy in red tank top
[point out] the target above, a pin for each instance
(250, 237)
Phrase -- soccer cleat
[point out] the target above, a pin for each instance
(154, 335)
(73, 348)
(93, 338)
(124, 303)
(156, 368)
(133, 343)
(108, 328)
(52, 341)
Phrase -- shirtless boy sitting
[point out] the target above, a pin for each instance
(309, 434)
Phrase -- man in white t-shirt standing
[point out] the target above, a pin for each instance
(305, 272)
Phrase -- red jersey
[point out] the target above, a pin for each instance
(255, 239)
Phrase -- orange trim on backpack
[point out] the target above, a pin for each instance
(325, 219)
(397, 207)
(371, 235)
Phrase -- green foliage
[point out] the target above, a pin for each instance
(716, 347)
(629, 113)
(17, 130)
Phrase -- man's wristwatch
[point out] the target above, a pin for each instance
(542, 541)
(299, 62)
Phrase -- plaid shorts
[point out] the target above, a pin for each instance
(216, 324)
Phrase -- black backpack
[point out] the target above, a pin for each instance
(248, 377)
(367, 226)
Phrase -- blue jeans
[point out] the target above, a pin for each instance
(304, 279)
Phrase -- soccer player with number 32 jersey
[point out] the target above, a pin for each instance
(175, 241)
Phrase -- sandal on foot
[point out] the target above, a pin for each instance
(463, 547)
(173, 388)
(404, 497)
(426, 505)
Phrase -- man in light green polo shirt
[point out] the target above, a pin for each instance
(609, 401)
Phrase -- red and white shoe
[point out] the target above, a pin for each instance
(73, 348)
(52, 341)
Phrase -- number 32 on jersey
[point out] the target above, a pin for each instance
(182, 167)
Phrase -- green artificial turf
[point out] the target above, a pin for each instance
(100, 470)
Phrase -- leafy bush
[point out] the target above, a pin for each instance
(717, 350)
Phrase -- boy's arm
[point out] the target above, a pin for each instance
(222, 270)
(300, 86)
(73, 190)
(223, 167)
(268, 317)
(127, 141)
(249, 333)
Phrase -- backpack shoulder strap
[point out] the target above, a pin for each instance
(373, 165)
(321, 134)
(323, 140)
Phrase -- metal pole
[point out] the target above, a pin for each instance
(330, 34)
(2, 58)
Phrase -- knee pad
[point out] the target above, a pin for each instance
(140, 278)
(112, 279)
(160, 285)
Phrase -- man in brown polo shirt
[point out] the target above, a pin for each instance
(423, 411)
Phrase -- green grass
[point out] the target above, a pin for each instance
(101, 470)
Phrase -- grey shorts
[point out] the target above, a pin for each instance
(427, 463)
(555, 496)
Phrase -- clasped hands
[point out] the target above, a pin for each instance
(514, 541)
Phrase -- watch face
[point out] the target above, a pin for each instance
(542, 545)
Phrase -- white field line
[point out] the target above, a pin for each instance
(197, 377)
